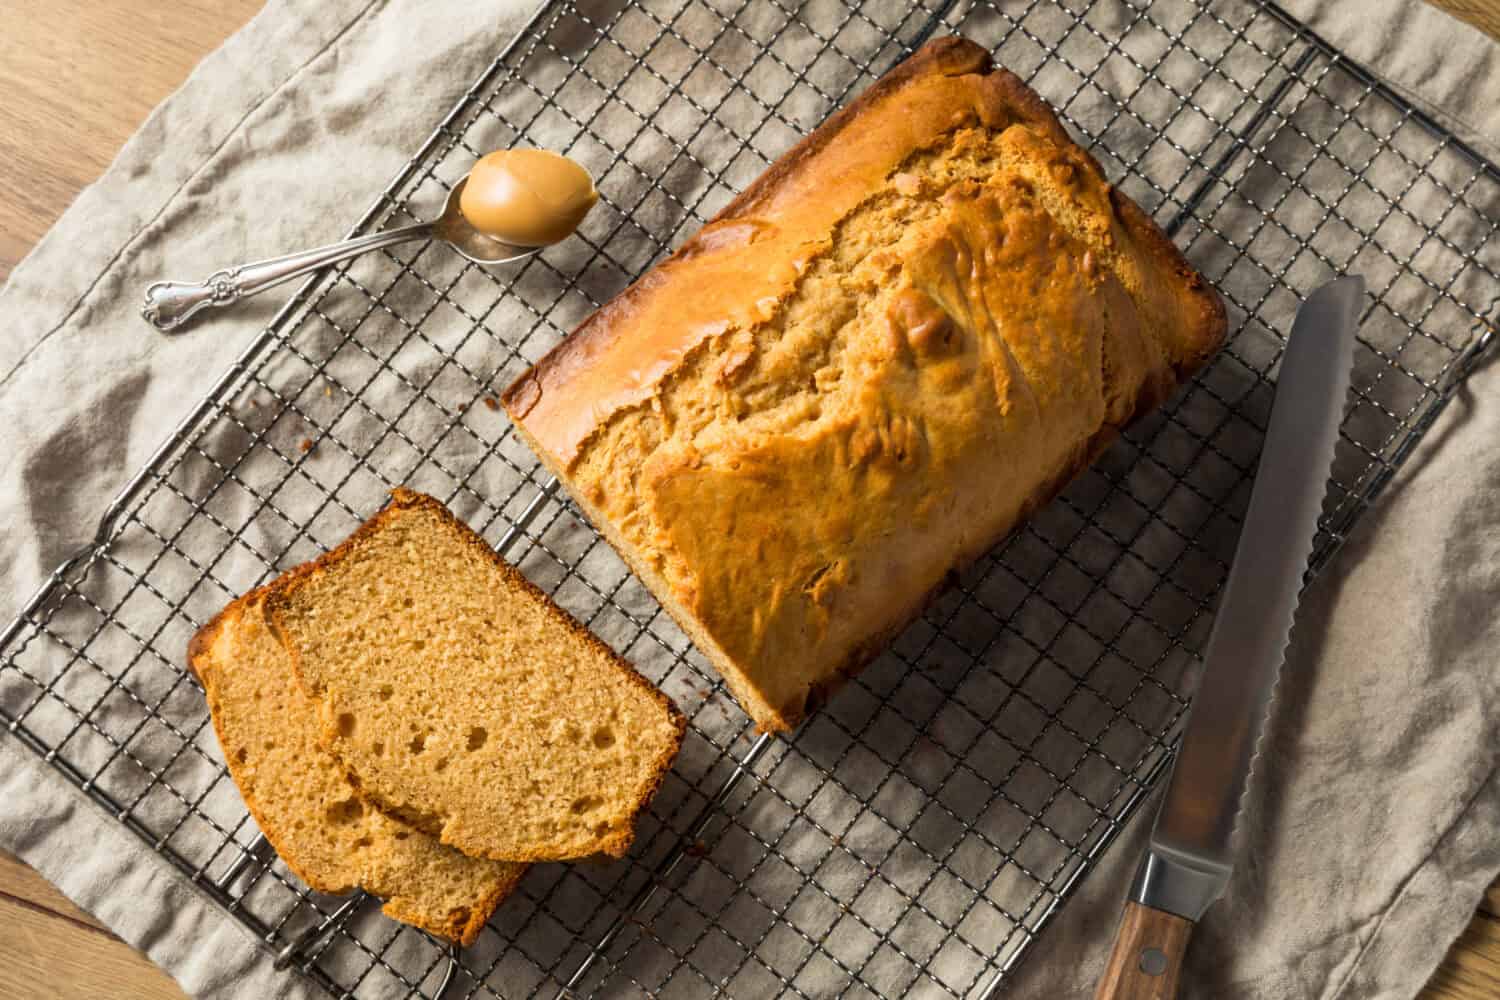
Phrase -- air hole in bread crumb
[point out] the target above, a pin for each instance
(477, 737)
(346, 724)
(442, 764)
(418, 743)
(587, 803)
(402, 835)
(241, 755)
(345, 811)
(417, 645)
(604, 738)
(460, 916)
(270, 744)
(407, 602)
(385, 692)
(377, 748)
(363, 842)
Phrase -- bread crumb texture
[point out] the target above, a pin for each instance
(912, 330)
(306, 806)
(459, 697)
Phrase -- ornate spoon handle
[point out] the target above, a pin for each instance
(169, 304)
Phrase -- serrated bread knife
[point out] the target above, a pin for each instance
(1188, 862)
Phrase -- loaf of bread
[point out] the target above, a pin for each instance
(306, 806)
(912, 330)
(460, 698)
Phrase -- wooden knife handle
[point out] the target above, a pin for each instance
(1147, 959)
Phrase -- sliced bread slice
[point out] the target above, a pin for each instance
(305, 804)
(459, 697)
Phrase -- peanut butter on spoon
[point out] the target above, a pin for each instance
(527, 197)
(512, 204)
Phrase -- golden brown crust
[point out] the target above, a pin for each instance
(405, 499)
(576, 352)
(563, 430)
(203, 666)
(462, 926)
(1210, 332)
(1208, 322)
(819, 694)
(203, 640)
(1159, 315)
(946, 56)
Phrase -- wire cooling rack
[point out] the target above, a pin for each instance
(916, 836)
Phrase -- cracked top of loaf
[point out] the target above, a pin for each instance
(911, 330)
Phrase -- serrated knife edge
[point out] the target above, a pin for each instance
(1189, 860)
(1243, 657)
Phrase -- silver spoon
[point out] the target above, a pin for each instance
(169, 304)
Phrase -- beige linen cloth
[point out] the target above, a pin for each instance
(1372, 829)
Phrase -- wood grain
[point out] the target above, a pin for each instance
(1472, 969)
(20, 883)
(78, 77)
(46, 957)
(52, 950)
(1145, 935)
(1491, 904)
(1483, 14)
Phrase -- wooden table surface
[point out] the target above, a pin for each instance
(78, 77)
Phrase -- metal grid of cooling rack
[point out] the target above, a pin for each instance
(915, 836)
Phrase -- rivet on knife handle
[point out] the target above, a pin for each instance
(1147, 959)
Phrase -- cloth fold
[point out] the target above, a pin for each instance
(1370, 834)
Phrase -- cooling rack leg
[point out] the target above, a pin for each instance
(315, 937)
(521, 521)
(249, 854)
(449, 975)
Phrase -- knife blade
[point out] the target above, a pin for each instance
(1189, 859)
